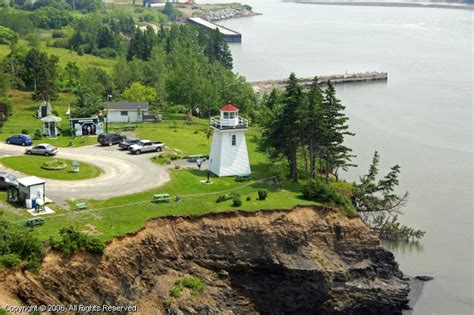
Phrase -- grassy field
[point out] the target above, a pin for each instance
(23, 118)
(31, 165)
(65, 55)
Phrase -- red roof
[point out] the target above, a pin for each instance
(229, 108)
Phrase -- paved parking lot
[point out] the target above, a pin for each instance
(123, 173)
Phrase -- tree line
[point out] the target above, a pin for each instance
(307, 125)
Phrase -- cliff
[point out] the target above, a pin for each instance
(306, 260)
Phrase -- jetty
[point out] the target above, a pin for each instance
(228, 34)
(269, 85)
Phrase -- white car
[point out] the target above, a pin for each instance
(42, 149)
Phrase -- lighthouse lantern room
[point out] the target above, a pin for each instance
(229, 156)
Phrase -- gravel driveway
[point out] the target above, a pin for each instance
(123, 173)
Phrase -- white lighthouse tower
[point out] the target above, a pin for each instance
(229, 156)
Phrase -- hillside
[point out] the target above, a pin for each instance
(305, 260)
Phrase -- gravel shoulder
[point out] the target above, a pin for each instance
(123, 173)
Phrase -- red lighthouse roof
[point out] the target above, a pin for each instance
(229, 108)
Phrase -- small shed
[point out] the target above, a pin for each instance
(31, 190)
(126, 112)
(90, 126)
(44, 109)
(51, 126)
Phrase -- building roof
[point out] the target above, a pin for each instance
(125, 105)
(30, 181)
(229, 108)
(51, 118)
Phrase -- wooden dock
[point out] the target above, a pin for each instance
(269, 85)
(228, 34)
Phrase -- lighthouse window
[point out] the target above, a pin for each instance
(232, 115)
(226, 115)
(234, 140)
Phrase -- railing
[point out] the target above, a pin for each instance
(229, 123)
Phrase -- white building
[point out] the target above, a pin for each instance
(126, 112)
(229, 156)
(31, 188)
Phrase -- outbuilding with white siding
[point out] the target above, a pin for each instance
(126, 112)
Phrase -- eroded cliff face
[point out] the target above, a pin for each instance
(306, 260)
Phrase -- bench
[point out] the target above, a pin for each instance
(81, 206)
(194, 158)
(243, 178)
(34, 222)
(161, 197)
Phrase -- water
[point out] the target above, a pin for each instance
(421, 119)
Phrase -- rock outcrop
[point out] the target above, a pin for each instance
(302, 261)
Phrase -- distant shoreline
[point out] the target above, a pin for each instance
(389, 4)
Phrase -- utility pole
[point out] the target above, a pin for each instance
(109, 96)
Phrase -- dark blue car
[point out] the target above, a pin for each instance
(23, 140)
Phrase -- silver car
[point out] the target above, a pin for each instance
(7, 180)
(42, 149)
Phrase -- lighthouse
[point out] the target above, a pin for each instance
(229, 156)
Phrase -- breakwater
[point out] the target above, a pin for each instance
(268, 85)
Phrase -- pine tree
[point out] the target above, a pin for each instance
(333, 130)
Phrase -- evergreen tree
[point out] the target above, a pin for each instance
(282, 134)
(333, 129)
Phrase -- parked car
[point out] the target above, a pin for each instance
(7, 180)
(23, 140)
(110, 138)
(146, 146)
(42, 149)
(125, 145)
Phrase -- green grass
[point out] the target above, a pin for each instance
(31, 165)
(195, 284)
(23, 117)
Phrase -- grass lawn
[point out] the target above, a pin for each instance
(121, 215)
(23, 117)
(31, 165)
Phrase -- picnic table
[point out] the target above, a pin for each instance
(34, 222)
(81, 206)
(195, 157)
(243, 178)
(128, 128)
(161, 197)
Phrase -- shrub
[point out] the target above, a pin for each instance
(222, 198)
(24, 131)
(248, 198)
(262, 194)
(58, 34)
(318, 190)
(54, 165)
(38, 135)
(71, 239)
(178, 109)
(236, 201)
(195, 284)
(10, 260)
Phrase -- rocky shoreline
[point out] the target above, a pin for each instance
(229, 13)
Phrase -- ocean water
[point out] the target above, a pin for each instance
(421, 119)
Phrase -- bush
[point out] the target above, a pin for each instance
(236, 201)
(319, 190)
(24, 131)
(38, 135)
(54, 165)
(58, 34)
(248, 198)
(223, 198)
(10, 260)
(72, 239)
(178, 109)
(195, 284)
(262, 194)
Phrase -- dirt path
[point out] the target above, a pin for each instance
(123, 173)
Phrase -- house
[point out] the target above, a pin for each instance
(126, 112)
